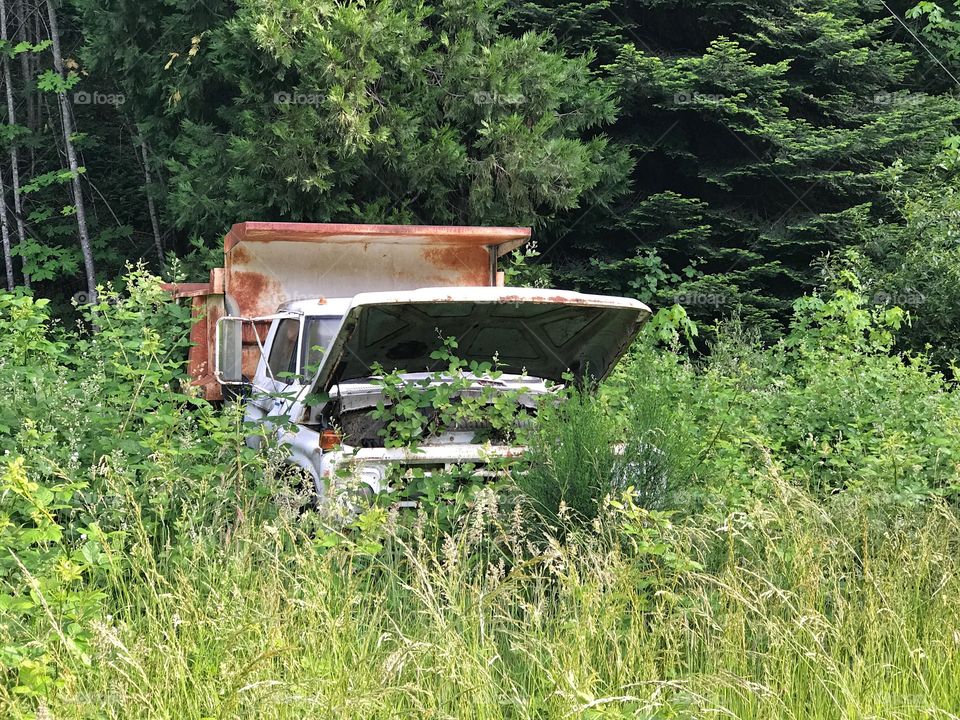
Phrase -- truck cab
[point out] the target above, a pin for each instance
(294, 347)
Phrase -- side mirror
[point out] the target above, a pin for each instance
(228, 362)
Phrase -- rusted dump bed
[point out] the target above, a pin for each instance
(269, 263)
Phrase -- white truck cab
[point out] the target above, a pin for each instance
(315, 383)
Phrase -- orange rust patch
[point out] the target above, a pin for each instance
(558, 299)
(343, 232)
(254, 293)
(239, 255)
(471, 262)
(185, 290)
(249, 360)
(254, 330)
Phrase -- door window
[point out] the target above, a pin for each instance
(283, 353)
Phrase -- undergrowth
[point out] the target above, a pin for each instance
(766, 533)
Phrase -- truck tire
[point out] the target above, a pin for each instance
(295, 494)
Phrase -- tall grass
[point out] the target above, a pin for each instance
(781, 617)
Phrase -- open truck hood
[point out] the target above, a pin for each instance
(534, 332)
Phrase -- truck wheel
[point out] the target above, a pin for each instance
(295, 493)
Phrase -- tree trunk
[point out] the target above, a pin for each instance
(14, 152)
(24, 35)
(33, 67)
(5, 234)
(151, 205)
(65, 114)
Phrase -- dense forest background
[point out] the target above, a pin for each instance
(728, 155)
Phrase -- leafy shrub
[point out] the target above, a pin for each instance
(572, 460)
(832, 404)
(414, 411)
(916, 263)
(43, 596)
(584, 450)
(104, 455)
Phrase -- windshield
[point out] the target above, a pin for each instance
(318, 333)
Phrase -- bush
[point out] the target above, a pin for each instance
(832, 404)
(591, 445)
(916, 263)
(573, 460)
(107, 462)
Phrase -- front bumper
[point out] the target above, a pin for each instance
(371, 466)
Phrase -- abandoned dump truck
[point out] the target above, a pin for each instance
(301, 314)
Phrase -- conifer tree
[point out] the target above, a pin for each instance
(761, 134)
(380, 112)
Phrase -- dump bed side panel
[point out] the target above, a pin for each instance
(262, 275)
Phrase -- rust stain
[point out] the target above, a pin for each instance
(217, 280)
(254, 292)
(184, 290)
(249, 360)
(557, 299)
(250, 357)
(251, 331)
(205, 311)
(470, 262)
(198, 356)
(240, 255)
(350, 233)
(250, 289)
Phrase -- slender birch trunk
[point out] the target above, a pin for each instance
(5, 234)
(151, 205)
(14, 152)
(67, 123)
